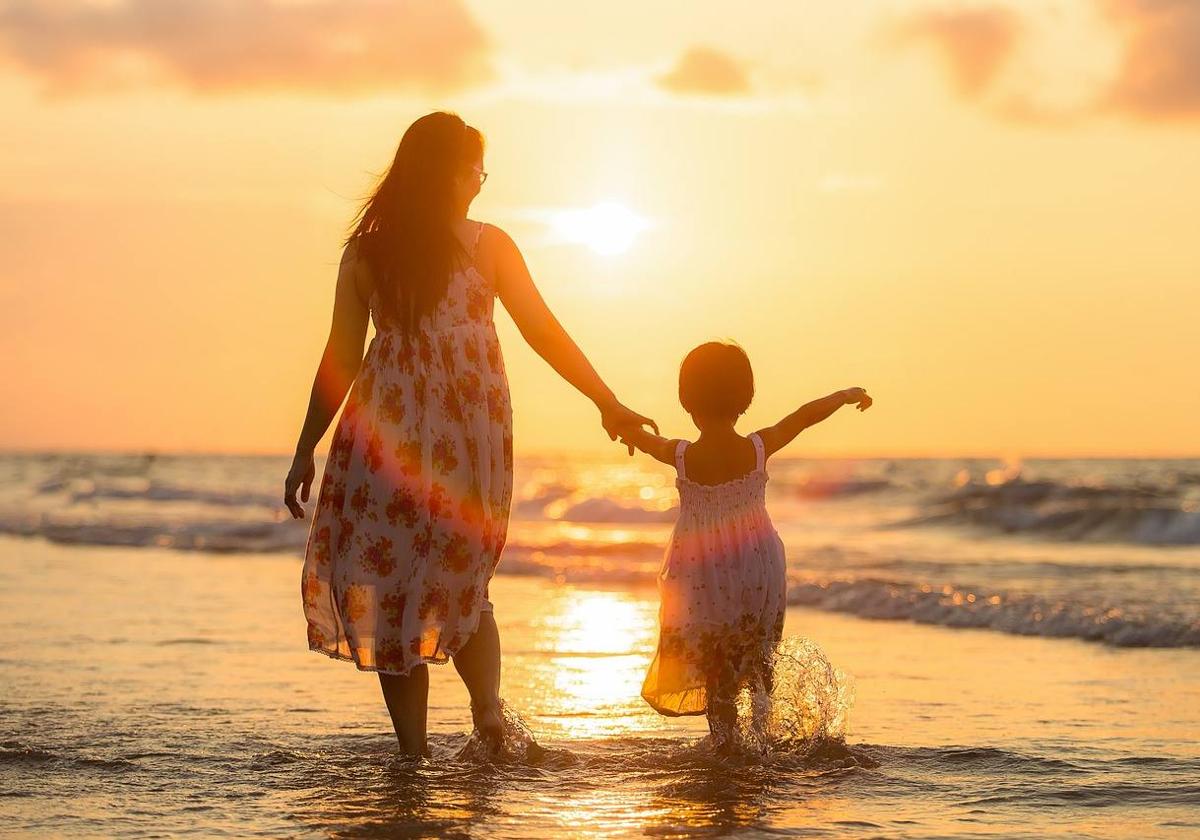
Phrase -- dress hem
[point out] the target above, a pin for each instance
(424, 660)
(665, 712)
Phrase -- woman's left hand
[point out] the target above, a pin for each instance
(300, 477)
(619, 420)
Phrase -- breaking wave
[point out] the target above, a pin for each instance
(1137, 514)
(1019, 614)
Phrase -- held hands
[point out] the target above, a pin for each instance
(857, 396)
(300, 477)
(619, 421)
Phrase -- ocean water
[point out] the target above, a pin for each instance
(1020, 645)
(1100, 550)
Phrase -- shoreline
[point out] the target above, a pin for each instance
(172, 692)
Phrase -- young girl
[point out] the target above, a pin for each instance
(723, 581)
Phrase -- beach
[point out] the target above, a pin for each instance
(150, 690)
(332, 326)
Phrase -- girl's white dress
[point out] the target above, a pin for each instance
(723, 586)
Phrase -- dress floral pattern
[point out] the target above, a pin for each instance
(412, 511)
(723, 586)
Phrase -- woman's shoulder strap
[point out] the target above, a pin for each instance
(475, 240)
(680, 446)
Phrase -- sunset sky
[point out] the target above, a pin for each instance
(986, 214)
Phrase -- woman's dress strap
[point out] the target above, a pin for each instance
(475, 241)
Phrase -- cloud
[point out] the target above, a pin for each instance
(1156, 75)
(974, 43)
(1159, 71)
(323, 46)
(635, 85)
(705, 70)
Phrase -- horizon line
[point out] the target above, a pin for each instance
(590, 453)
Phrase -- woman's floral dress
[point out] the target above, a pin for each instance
(724, 591)
(413, 507)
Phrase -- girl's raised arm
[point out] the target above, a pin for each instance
(784, 432)
(549, 340)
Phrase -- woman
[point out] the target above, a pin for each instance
(413, 507)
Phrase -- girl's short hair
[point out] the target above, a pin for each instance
(715, 380)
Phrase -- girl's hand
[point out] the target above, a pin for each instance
(857, 396)
(618, 421)
(300, 477)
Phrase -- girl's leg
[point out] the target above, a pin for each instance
(407, 701)
(478, 663)
(761, 684)
(722, 708)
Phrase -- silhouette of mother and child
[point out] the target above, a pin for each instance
(412, 509)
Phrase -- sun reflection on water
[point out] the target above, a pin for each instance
(600, 644)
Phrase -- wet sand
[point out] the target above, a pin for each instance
(150, 692)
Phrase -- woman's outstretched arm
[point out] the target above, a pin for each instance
(335, 374)
(549, 340)
(782, 433)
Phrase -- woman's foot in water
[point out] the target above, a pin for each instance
(489, 723)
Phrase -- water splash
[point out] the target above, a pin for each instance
(516, 744)
(804, 713)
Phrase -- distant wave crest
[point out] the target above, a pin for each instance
(1146, 515)
(1019, 614)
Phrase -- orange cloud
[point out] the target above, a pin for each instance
(974, 44)
(1159, 75)
(323, 46)
(706, 71)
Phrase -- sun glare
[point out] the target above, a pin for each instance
(607, 228)
(600, 645)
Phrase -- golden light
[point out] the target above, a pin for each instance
(602, 623)
(607, 228)
(602, 683)
(602, 643)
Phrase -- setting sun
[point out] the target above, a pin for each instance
(606, 227)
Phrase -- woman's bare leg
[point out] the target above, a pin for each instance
(478, 663)
(407, 701)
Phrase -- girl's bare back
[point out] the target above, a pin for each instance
(715, 461)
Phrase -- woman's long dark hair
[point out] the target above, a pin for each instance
(405, 229)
